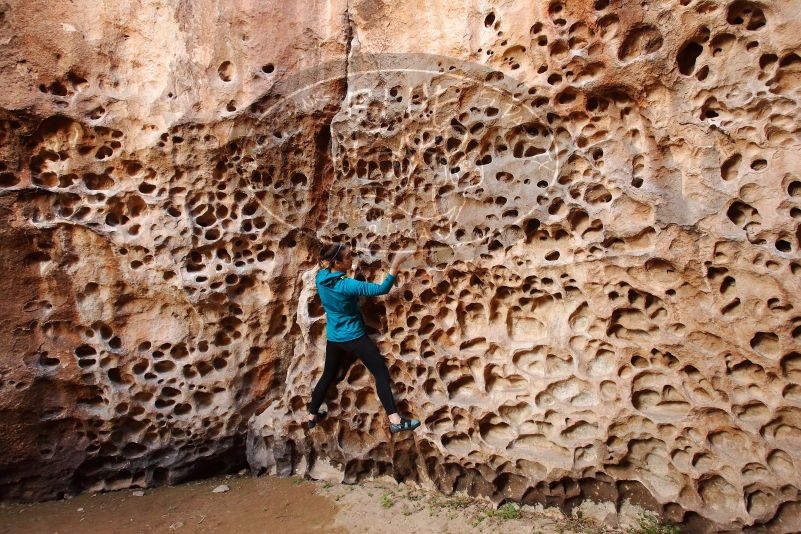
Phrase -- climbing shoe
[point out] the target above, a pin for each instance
(405, 424)
(317, 418)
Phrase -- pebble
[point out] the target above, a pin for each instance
(80, 510)
(138, 493)
(222, 488)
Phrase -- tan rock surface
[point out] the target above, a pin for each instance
(604, 198)
(146, 306)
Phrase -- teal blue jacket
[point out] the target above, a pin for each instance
(339, 295)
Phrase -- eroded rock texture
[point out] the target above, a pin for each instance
(148, 294)
(604, 198)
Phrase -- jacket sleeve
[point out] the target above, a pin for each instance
(349, 286)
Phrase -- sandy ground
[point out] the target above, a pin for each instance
(251, 506)
(288, 506)
(387, 507)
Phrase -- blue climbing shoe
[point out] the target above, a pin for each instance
(404, 425)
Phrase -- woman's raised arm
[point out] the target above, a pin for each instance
(349, 286)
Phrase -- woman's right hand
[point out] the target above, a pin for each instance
(399, 258)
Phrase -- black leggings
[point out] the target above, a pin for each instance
(336, 359)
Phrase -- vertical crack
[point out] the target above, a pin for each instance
(348, 46)
(348, 43)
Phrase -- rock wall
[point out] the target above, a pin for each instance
(149, 296)
(603, 198)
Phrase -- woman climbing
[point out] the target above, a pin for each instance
(346, 334)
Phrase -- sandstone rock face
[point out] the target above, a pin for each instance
(604, 198)
(148, 305)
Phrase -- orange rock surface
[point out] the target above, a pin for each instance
(604, 199)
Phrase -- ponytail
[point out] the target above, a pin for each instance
(330, 254)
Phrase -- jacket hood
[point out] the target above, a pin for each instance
(328, 278)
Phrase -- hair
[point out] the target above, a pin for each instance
(331, 253)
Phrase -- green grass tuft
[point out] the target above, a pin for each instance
(386, 500)
(505, 512)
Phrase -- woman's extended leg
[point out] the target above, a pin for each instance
(368, 353)
(334, 358)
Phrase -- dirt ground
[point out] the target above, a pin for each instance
(267, 504)
(251, 506)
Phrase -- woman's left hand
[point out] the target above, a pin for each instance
(399, 258)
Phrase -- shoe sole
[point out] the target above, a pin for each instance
(403, 430)
(320, 417)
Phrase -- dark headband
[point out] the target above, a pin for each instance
(333, 256)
